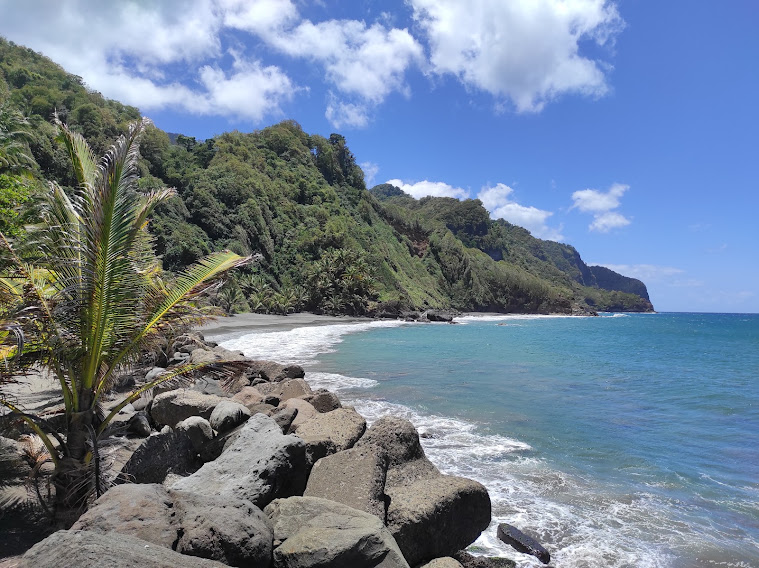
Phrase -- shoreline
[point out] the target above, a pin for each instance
(228, 327)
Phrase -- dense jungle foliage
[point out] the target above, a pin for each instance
(298, 200)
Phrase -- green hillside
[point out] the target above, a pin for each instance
(299, 200)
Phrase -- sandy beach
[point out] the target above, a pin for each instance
(230, 327)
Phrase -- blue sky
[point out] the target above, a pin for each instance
(628, 129)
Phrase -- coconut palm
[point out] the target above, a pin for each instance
(99, 300)
(14, 137)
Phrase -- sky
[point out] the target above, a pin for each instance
(628, 129)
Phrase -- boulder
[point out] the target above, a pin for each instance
(354, 477)
(248, 396)
(343, 426)
(198, 430)
(468, 561)
(398, 437)
(275, 372)
(445, 562)
(286, 389)
(305, 411)
(318, 447)
(203, 355)
(430, 515)
(323, 401)
(261, 464)
(315, 532)
(522, 542)
(139, 424)
(436, 516)
(86, 549)
(161, 453)
(209, 385)
(227, 529)
(176, 405)
(227, 415)
(140, 510)
(284, 417)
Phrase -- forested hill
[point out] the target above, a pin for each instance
(327, 243)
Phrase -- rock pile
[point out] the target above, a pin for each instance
(270, 474)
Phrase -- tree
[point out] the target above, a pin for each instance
(95, 301)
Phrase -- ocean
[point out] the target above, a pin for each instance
(627, 440)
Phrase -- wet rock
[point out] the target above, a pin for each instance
(522, 542)
(468, 561)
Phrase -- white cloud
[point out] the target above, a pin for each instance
(605, 222)
(433, 188)
(601, 205)
(593, 201)
(497, 200)
(370, 172)
(341, 113)
(127, 49)
(523, 51)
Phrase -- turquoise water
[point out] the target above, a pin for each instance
(616, 441)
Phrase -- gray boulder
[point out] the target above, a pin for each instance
(275, 372)
(343, 426)
(248, 396)
(161, 453)
(445, 562)
(228, 529)
(430, 515)
(304, 411)
(139, 424)
(86, 549)
(286, 389)
(323, 401)
(284, 417)
(468, 561)
(227, 415)
(354, 477)
(176, 405)
(140, 510)
(261, 464)
(436, 516)
(198, 430)
(315, 532)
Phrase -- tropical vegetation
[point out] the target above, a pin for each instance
(89, 300)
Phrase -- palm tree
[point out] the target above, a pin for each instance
(14, 137)
(96, 303)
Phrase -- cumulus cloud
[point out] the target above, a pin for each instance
(370, 170)
(125, 50)
(433, 188)
(497, 200)
(523, 51)
(601, 205)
